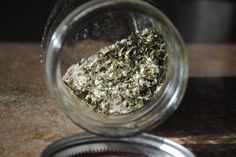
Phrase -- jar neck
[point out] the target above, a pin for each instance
(156, 111)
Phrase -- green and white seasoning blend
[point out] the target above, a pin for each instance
(122, 77)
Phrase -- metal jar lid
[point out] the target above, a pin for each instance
(89, 145)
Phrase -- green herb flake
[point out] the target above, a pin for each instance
(122, 77)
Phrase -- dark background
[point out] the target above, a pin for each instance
(199, 21)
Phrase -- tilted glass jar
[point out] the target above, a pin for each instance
(77, 29)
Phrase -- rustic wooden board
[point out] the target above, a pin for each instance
(205, 122)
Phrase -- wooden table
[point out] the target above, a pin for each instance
(205, 122)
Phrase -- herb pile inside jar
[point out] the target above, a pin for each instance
(122, 77)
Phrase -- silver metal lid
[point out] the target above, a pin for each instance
(89, 145)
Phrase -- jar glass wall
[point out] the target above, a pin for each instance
(75, 31)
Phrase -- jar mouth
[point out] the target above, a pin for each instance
(147, 117)
(144, 145)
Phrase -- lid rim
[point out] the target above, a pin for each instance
(77, 145)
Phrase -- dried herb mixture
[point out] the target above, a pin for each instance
(122, 77)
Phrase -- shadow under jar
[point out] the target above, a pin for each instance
(78, 31)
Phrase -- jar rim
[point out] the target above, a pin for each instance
(170, 100)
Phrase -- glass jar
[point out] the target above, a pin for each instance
(77, 29)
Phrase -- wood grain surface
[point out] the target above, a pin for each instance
(205, 121)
